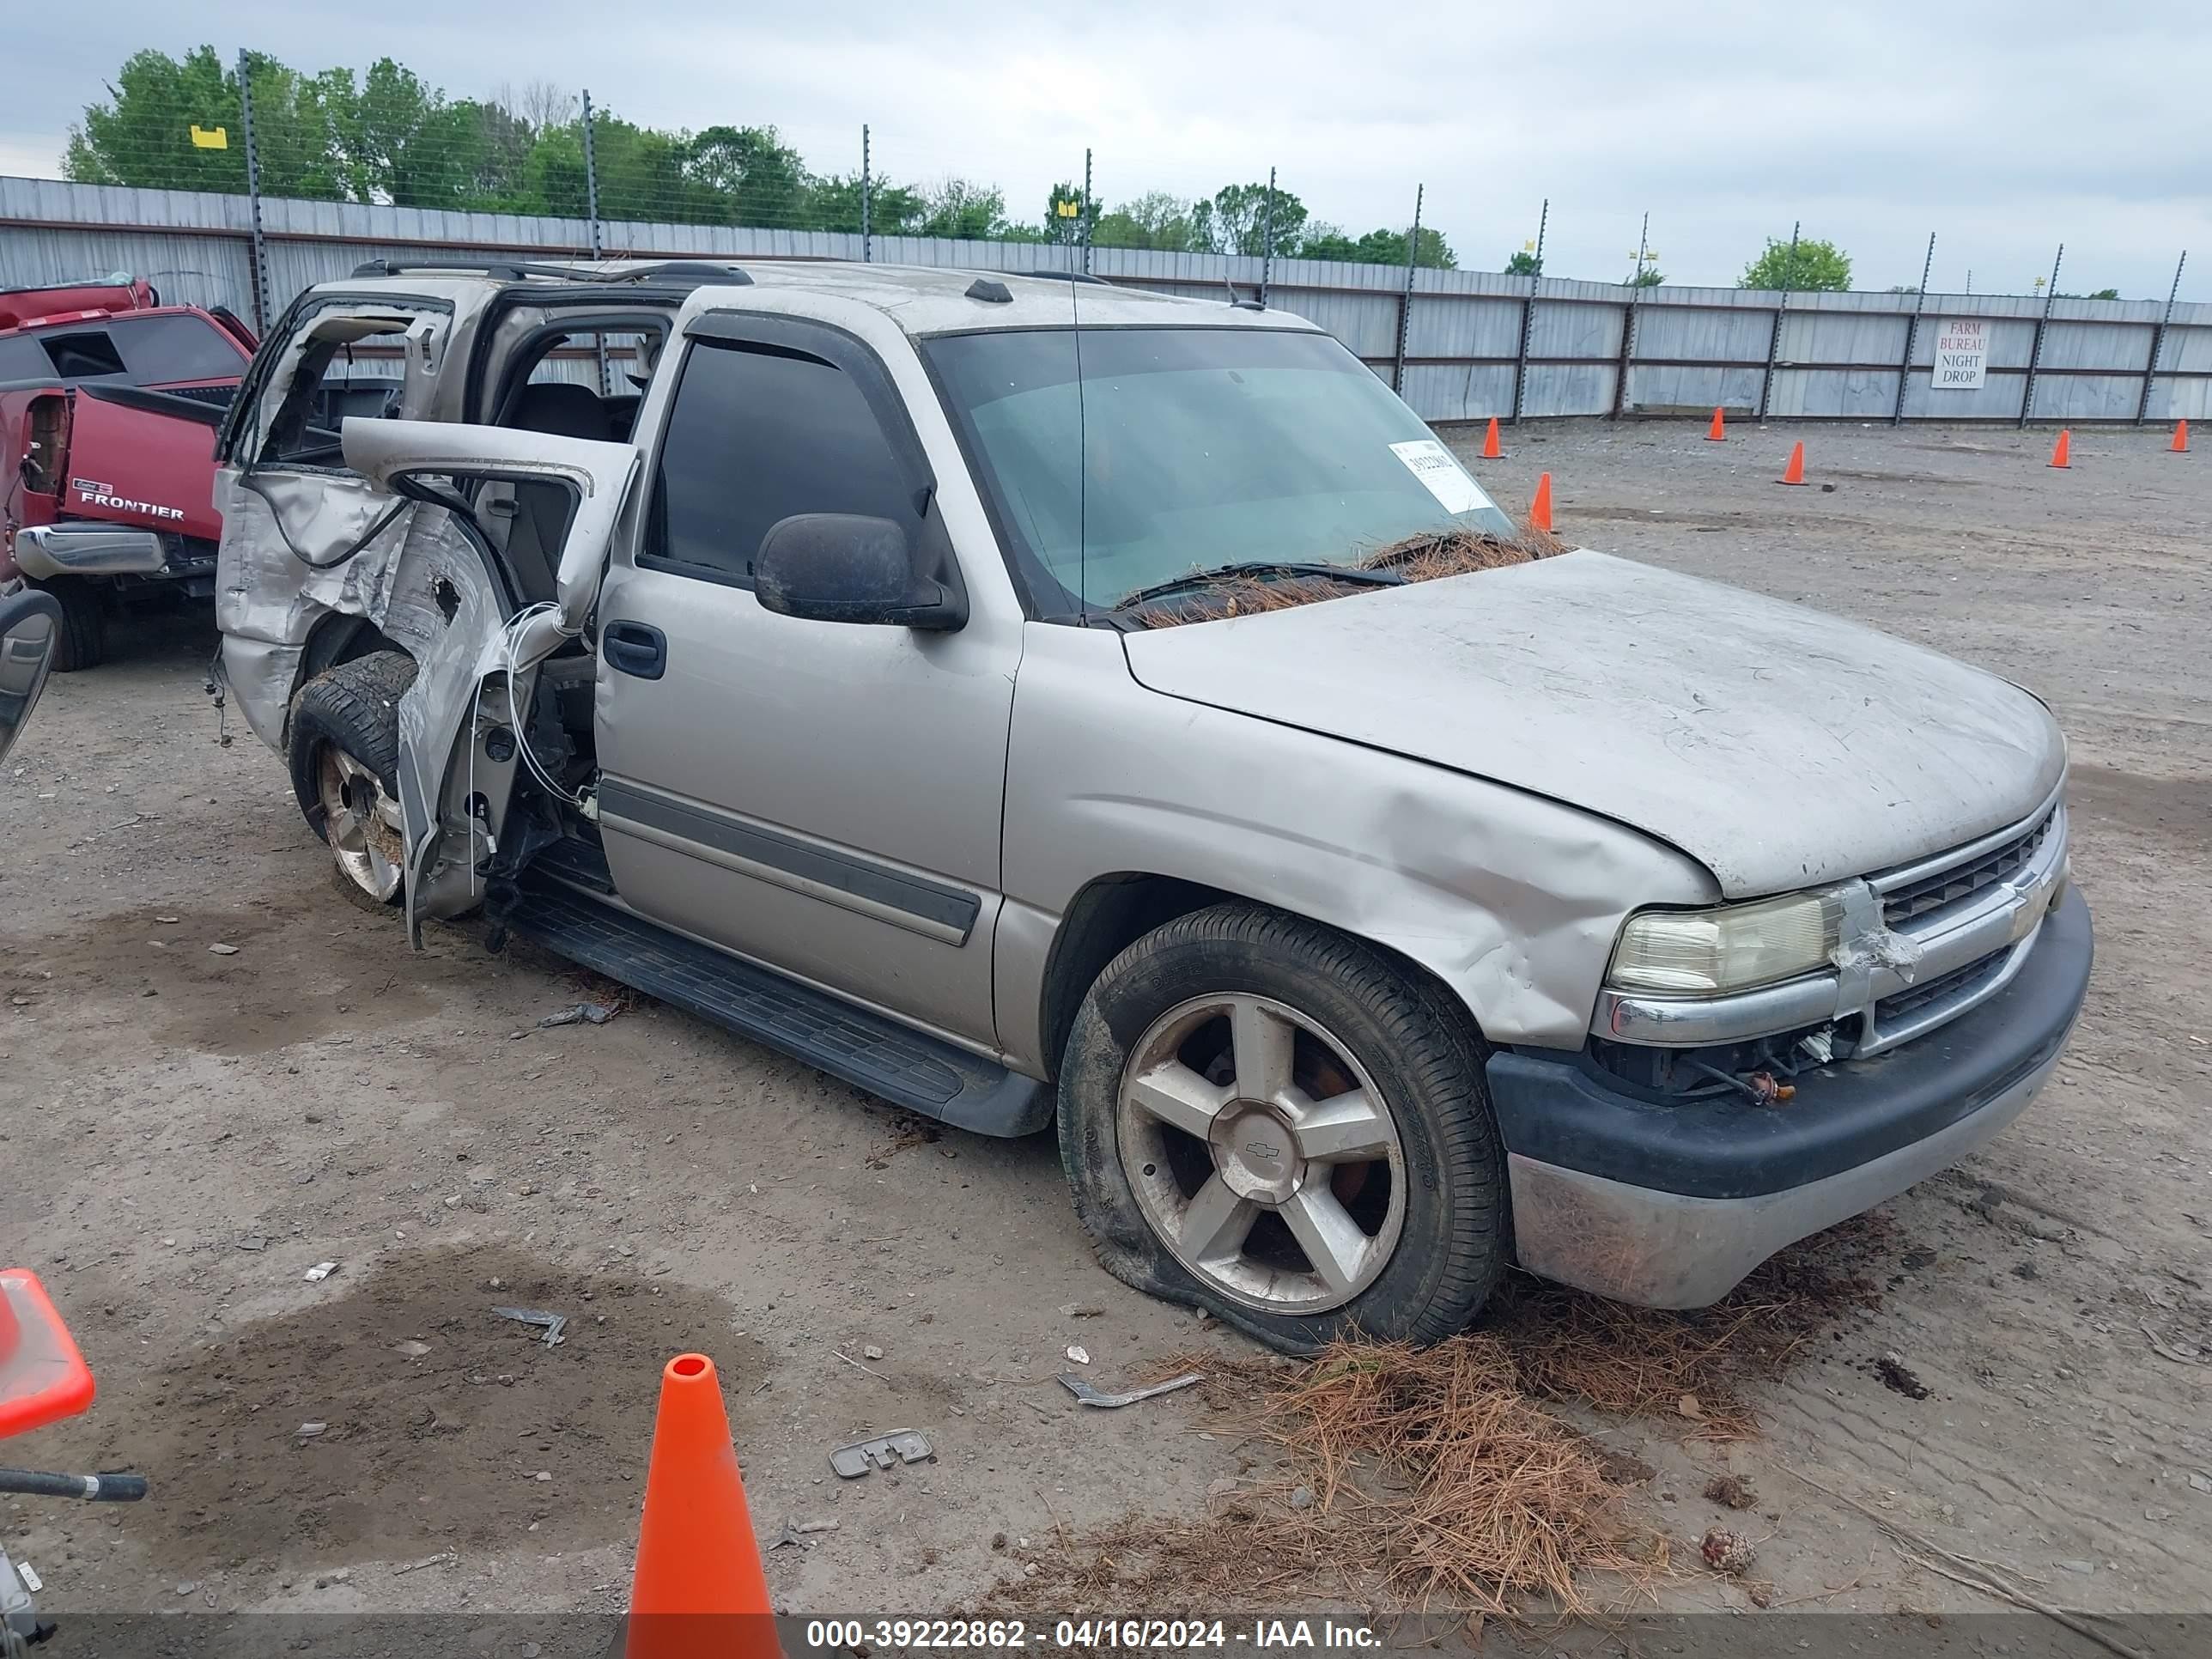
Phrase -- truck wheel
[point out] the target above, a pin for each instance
(344, 741)
(1263, 1118)
(82, 641)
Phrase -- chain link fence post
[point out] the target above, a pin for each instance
(2158, 340)
(1405, 299)
(1774, 338)
(1090, 212)
(1912, 333)
(591, 221)
(868, 184)
(2042, 323)
(1268, 247)
(260, 252)
(1528, 315)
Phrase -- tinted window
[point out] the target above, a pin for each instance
(22, 358)
(186, 348)
(137, 350)
(755, 436)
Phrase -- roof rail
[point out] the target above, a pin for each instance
(510, 268)
(1070, 277)
(702, 272)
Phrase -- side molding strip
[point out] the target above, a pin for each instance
(842, 878)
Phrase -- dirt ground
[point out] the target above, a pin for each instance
(186, 1133)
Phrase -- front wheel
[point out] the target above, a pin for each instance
(81, 642)
(1268, 1120)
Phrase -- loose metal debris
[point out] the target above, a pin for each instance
(1090, 1396)
(595, 1013)
(319, 1272)
(883, 1452)
(553, 1324)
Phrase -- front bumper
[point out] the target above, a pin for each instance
(1670, 1205)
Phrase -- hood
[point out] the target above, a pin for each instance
(1779, 747)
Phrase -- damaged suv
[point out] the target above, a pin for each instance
(1027, 699)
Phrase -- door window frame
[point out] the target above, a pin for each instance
(852, 356)
(242, 423)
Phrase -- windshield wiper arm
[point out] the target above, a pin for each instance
(1255, 568)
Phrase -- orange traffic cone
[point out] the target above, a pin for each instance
(1794, 472)
(698, 1588)
(1717, 432)
(2180, 444)
(1540, 510)
(2062, 452)
(1491, 452)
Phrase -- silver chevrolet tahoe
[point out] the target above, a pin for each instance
(1012, 696)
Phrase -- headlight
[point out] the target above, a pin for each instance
(1696, 952)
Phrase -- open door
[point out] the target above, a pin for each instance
(479, 642)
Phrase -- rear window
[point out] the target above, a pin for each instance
(130, 351)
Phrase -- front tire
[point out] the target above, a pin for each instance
(82, 639)
(1268, 1120)
(344, 757)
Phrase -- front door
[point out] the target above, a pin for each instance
(824, 798)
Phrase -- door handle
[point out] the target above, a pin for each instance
(635, 649)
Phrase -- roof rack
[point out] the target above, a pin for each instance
(702, 272)
(510, 268)
(1070, 277)
(693, 270)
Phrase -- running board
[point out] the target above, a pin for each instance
(905, 1066)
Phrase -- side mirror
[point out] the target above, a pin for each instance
(30, 626)
(845, 567)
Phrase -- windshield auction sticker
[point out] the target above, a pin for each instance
(1443, 477)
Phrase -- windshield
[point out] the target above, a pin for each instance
(1185, 449)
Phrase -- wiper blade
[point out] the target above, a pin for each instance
(1256, 570)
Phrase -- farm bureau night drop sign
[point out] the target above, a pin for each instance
(1962, 354)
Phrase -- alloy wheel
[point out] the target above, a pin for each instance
(1261, 1153)
(362, 824)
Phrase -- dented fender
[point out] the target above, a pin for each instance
(1512, 900)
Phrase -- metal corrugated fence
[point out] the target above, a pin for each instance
(1590, 347)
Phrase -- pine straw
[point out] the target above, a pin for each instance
(1696, 1367)
(1439, 1477)
(1483, 1496)
(1435, 1480)
(1423, 558)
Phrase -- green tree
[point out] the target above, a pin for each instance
(1650, 277)
(400, 140)
(1328, 242)
(1388, 247)
(962, 208)
(1154, 220)
(1235, 221)
(749, 176)
(1524, 263)
(1812, 267)
(833, 203)
(141, 134)
(1064, 208)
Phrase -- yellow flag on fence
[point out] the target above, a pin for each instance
(210, 137)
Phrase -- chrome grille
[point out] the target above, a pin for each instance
(1933, 892)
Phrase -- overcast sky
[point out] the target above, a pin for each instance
(2005, 128)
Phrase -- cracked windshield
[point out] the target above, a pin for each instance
(1174, 452)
